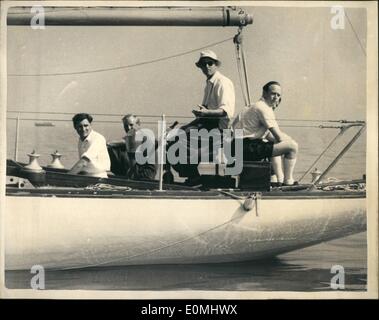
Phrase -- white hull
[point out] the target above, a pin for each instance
(75, 232)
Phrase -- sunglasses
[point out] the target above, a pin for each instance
(207, 63)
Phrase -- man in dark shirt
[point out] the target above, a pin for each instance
(123, 155)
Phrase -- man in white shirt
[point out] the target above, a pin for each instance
(258, 122)
(219, 97)
(216, 109)
(93, 154)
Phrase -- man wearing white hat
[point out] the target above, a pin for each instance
(216, 109)
(219, 97)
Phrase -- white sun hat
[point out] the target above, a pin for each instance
(208, 54)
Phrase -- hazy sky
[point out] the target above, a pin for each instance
(322, 71)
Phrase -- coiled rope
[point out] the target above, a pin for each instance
(334, 184)
(107, 187)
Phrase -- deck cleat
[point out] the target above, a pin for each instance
(33, 171)
(56, 163)
(33, 163)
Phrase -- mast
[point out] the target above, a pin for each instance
(131, 16)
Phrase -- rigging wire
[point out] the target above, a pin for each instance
(179, 116)
(245, 74)
(244, 95)
(241, 67)
(355, 33)
(120, 67)
(155, 122)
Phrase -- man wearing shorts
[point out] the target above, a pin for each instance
(263, 138)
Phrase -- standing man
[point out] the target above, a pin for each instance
(215, 111)
(258, 122)
(93, 155)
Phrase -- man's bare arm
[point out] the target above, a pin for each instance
(283, 136)
(79, 166)
(275, 135)
(204, 112)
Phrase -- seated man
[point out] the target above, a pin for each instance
(123, 155)
(215, 111)
(258, 122)
(93, 156)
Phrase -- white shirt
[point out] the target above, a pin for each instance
(219, 93)
(94, 148)
(256, 120)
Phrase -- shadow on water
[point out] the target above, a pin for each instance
(269, 275)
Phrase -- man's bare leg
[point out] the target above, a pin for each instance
(276, 163)
(289, 149)
(289, 165)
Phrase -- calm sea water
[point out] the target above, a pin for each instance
(308, 269)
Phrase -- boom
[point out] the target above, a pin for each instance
(131, 16)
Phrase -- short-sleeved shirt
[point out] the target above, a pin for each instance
(256, 120)
(219, 94)
(94, 148)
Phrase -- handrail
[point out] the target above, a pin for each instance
(150, 122)
(93, 114)
(69, 120)
(182, 116)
